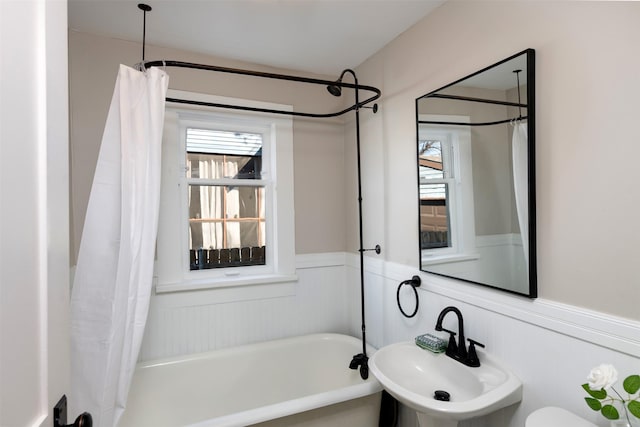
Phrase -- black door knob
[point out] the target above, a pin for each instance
(83, 420)
(60, 416)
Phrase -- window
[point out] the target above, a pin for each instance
(226, 219)
(447, 229)
(436, 179)
(227, 197)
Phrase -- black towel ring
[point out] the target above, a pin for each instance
(415, 282)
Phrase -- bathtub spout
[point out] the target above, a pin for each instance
(360, 360)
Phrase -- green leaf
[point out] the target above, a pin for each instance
(593, 403)
(610, 412)
(598, 394)
(632, 384)
(634, 408)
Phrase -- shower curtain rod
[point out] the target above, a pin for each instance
(433, 122)
(215, 68)
(471, 99)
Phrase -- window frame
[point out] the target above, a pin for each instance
(172, 266)
(449, 154)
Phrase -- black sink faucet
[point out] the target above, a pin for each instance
(459, 351)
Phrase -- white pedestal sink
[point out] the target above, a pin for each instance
(412, 375)
(425, 420)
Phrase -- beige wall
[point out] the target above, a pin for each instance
(587, 91)
(318, 143)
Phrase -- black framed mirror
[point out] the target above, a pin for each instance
(476, 177)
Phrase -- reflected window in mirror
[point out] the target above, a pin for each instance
(476, 177)
(435, 180)
(446, 191)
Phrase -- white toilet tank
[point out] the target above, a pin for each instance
(555, 417)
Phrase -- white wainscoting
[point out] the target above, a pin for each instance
(502, 256)
(550, 346)
(195, 321)
(497, 259)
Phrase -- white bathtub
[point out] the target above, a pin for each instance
(289, 382)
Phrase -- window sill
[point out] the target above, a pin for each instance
(445, 259)
(226, 282)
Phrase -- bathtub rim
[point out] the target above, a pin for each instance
(247, 347)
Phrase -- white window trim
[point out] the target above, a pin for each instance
(172, 266)
(462, 221)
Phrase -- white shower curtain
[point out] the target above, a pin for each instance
(520, 177)
(112, 286)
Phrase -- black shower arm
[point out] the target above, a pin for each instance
(179, 64)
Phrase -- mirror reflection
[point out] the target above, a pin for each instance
(475, 146)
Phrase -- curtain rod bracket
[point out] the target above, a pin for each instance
(374, 108)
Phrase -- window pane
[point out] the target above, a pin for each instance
(434, 216)
(216, 166)
(431, 165)
(226, 226)
(217, 154)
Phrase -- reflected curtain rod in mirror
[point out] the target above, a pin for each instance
(476, 177)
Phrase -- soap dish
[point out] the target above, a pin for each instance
(431, 343)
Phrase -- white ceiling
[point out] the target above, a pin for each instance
(318, 36)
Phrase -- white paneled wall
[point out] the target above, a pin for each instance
(189, 322)
(550, 346)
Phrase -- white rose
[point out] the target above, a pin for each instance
(603, 376)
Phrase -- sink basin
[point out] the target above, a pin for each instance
(412, 375)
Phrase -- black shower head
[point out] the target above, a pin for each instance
(335, 90)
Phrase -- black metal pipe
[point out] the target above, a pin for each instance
(144, 32)
(276, 76)
(471, 99)
(355, 79)
(518, 81)
(360, 360)
(433, 122)
(217, 68)
(144, 8)
(261, 110)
